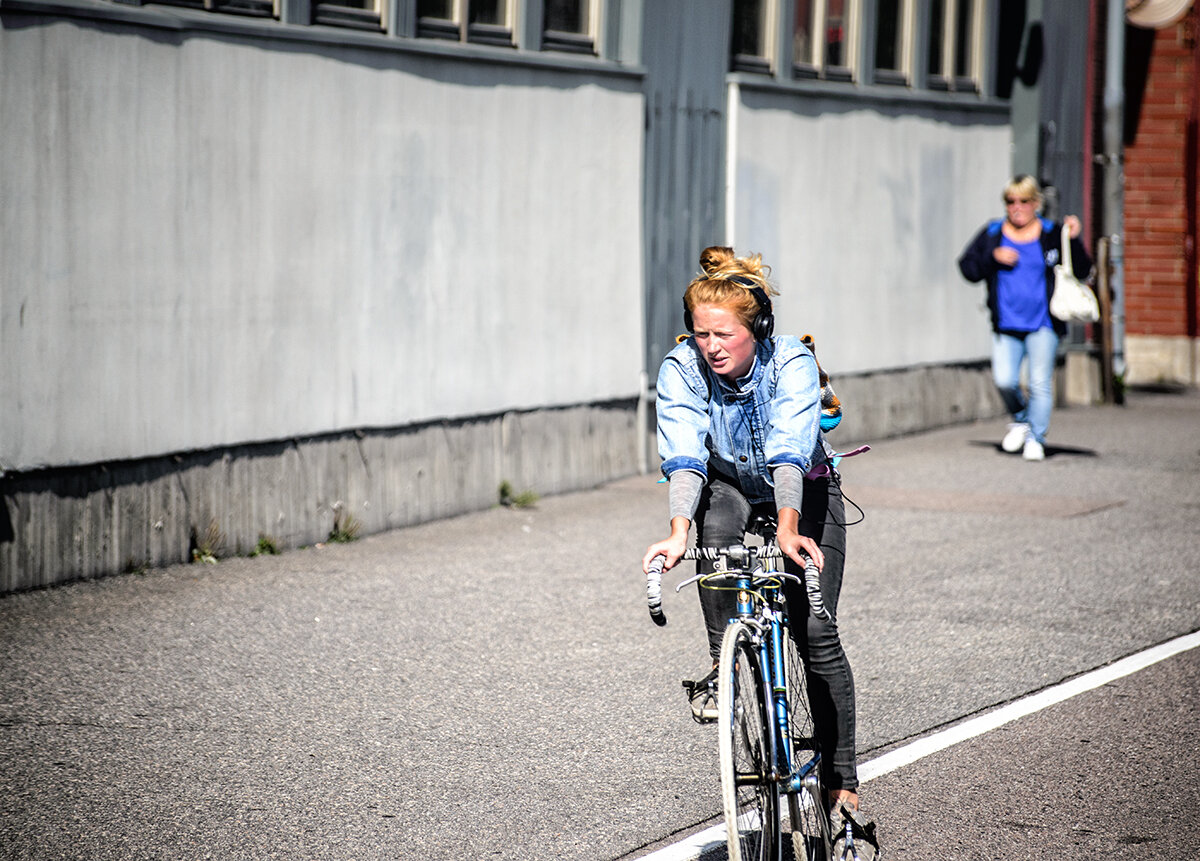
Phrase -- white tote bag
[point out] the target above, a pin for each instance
(1072, 300)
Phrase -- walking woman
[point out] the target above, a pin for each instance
(738, 432)
(1015, 255)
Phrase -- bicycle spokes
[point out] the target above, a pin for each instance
(749, 786)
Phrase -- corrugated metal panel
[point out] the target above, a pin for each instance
(1064, 109)
(685, 51)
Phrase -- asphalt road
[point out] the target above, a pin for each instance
(491, 686)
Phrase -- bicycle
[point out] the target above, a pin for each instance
(767, 745)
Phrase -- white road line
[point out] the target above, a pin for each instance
(1026, 706)
(690, 848)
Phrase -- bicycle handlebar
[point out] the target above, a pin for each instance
(654, 591)
(812, 575)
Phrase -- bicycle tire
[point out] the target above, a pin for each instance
(808, 814)
(749, 791)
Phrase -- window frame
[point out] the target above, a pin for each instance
(762, 63)
(945, 77)
(616, 28)
(962, 40)
(970, 81)
(902, 73)
(459, 27)
(246, 8)
(337, 14)
(815, 65)
(572, 42)
(851, 33)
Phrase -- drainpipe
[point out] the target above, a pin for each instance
(641, 419)
(733, 97)
(1192, 188)
(1114, 176)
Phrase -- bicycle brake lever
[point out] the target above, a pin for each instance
(689, 581)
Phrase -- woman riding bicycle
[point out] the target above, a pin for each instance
(739, 432)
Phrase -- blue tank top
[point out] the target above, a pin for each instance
(1021, 291)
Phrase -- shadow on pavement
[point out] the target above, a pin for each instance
(1051, 450)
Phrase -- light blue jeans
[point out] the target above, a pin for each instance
(1008, 351)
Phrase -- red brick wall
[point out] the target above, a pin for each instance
(1156, 229)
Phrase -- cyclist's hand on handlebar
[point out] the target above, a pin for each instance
(799, 548)
(672, 548)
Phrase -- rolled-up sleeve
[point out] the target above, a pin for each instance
(683, 421)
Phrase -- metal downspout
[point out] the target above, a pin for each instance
(1114, 175)
(641, 423)
(1192, 189)
(733, 99)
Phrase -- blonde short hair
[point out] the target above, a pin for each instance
(1023, 185)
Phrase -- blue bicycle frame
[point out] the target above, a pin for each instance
(771, 652)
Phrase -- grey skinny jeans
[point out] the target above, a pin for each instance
(721, 520)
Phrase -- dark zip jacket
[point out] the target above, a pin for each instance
(978, 264)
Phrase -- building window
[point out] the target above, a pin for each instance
(804, 49)
(837, 35)
(893, 38)
(360, 14)
(751, 36)
(486, 21)
(828, 36)
(937, 30)
(569, 25)
(823, 39)
(592, 27)
(954, 37)
(965, 74)
(255, 8)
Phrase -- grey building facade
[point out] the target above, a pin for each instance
(268, 269)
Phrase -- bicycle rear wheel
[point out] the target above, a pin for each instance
(807, 811)
(749, 792)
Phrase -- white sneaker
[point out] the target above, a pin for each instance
(1033, 450)
(1018, 432)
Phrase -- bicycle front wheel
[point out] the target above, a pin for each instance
(807, 811)
(749, 791)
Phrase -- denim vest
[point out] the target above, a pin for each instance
(770, 417)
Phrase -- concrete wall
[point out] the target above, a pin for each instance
(862, 208)
(250, 278)
(1162, 360)
(60, 525)
(208, 240)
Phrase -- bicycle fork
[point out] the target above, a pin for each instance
(771, 656)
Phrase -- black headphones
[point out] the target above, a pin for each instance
(764, 321)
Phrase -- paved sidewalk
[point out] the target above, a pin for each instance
(491, 686)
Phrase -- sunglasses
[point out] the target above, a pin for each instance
(1012, 201)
